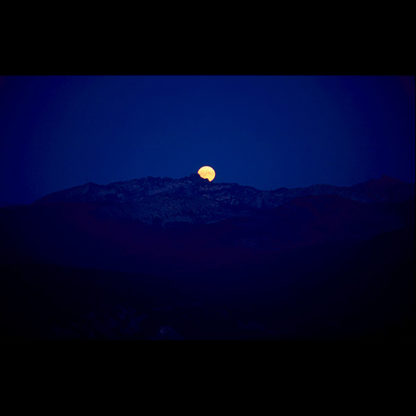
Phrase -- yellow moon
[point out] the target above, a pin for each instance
(206, 172)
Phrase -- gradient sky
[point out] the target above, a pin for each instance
(264, 131)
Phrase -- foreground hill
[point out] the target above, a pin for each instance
(362, 291)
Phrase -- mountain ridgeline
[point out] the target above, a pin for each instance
(196, 200)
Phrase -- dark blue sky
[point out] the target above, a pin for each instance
(264, 131)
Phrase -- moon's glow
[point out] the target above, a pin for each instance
(206, 172)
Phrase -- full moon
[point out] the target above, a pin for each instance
(206, 172)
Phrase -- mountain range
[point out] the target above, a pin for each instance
(164, 258)
(196, 200)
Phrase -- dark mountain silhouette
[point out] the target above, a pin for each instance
(196, 200)
(185, 258)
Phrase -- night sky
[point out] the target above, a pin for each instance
(264, 131)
